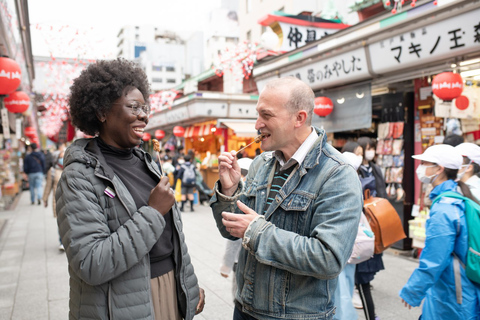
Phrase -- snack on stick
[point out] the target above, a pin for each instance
(156, 148)
(156, 145)
(257, 140)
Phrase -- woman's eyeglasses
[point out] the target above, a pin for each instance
(137, 107)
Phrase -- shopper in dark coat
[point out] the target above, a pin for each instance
(34, 166)
(117, 216)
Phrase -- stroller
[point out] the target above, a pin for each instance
(204, 192)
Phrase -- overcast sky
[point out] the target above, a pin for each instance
(54, 22)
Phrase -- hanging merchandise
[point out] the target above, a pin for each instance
(17, 102)
(10, 75)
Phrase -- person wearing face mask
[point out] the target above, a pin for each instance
(372, 179)
(345, 309)
(433, 282)
(52, 177)
(470, 169)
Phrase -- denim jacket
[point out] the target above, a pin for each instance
(292, 255)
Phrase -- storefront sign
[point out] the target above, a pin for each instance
(177, 114)
(448, 38)
(208, 109)
(295, 36)
(344, 68)
(243, 110)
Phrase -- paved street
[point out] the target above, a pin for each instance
(34, 277)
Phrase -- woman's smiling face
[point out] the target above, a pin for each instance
(120, 127)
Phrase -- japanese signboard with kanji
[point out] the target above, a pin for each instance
(338, 70)
(451, 37)
(295, 36)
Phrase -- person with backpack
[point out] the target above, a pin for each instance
(371, 178)
(441, 281)
(187, 175)
(362, 250)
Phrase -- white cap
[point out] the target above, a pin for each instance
(442, 154)
(244, 163)
(470, 150)
(353, 159)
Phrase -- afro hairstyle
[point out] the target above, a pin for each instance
(98, 86)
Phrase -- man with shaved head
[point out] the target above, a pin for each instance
(297, 212)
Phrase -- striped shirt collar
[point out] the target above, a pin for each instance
(300, 154)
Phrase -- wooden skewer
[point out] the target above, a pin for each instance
(257, 139)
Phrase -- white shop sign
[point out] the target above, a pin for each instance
(448, 38)
(295, 36)
(344, 68)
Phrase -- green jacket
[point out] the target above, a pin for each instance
(107, 241)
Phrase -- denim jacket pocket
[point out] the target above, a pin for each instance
(296, 210)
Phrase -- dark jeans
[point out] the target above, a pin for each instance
(239, 315)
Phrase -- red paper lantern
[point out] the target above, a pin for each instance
(178, 131)
(462, 102)
(159, 134)
(447, 85)
(323, 106)
(146, 136)
(17, 102)
(10, 75)
(30, 131)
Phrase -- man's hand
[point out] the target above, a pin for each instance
(236, 224)
(229, 172)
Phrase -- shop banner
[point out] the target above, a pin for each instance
(444, 39)
(343, 68)
(295, 36)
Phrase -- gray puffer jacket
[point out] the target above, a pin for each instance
(107, 241)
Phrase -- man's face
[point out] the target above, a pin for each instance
(274, 120)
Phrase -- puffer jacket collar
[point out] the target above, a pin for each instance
(88, 152)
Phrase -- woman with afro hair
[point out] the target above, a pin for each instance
(117, 216)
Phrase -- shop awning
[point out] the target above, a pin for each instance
(199, 131)
(242, 128)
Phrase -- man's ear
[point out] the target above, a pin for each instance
(302, 116)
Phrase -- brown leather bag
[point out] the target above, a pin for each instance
(384, 221)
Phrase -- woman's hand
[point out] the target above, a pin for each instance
(161, 197)
(229, 172)
(201, 301)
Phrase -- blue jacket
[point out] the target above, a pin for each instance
(292, 255)
(34, 162)
(433, 280)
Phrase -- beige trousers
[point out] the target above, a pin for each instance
(164, 295)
